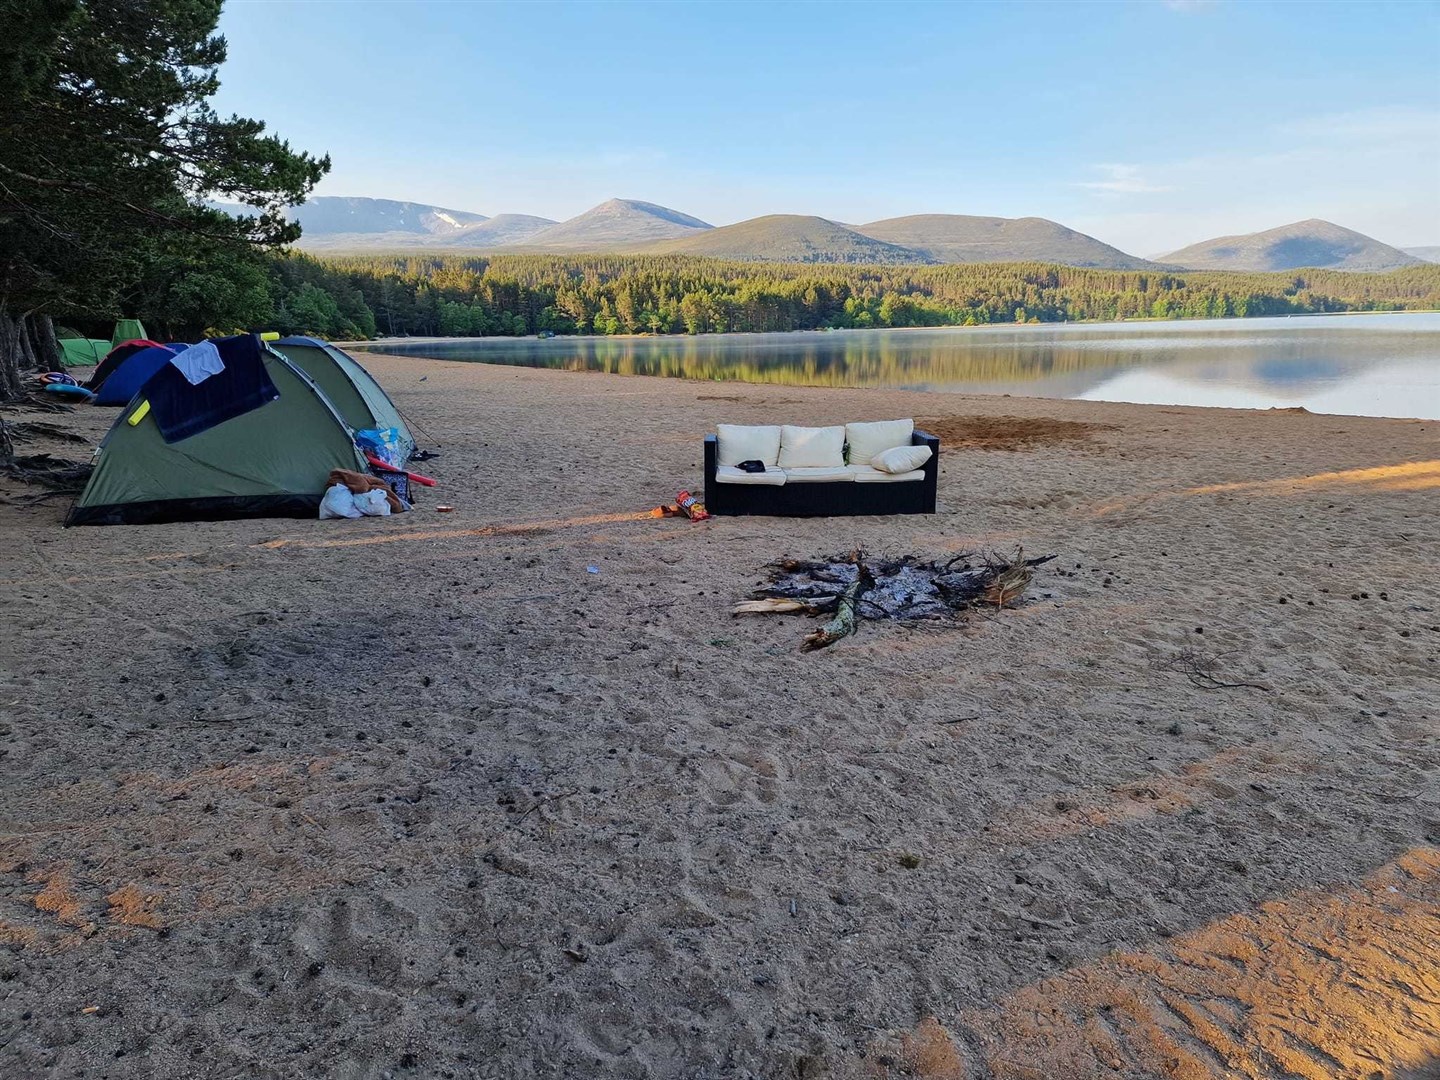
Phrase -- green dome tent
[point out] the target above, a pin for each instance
(353, 391)
(76, 350)
(257, 440)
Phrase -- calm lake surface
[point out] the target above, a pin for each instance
(1365, 365)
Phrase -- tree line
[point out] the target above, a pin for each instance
(360, 296)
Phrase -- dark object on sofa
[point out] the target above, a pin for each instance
(798, 499)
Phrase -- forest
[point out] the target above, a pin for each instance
(346, 297)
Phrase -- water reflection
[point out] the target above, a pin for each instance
(1377, 365)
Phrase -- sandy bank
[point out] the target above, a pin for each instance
(422, 797)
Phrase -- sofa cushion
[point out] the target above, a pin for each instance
(738, 442)
(868, 439)
(819, 474)
(729, 474)
(811, 447)
(901, 459)
(865, 474)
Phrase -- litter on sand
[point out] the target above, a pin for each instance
(692, 507)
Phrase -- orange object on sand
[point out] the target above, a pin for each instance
(415, 476)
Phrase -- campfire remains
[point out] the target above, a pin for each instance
(906, 590)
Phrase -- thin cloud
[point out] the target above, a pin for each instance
(1369, 169)
(1381, 124)
(1122, 180)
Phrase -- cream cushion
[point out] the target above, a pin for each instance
(811, 447)
(865, 474)
(819, 474)
(901, 459)
(728, 474)
(738, 442)
(867, 440)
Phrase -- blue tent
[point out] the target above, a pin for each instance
(134, 372)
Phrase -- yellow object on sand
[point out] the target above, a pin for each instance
(141, 411)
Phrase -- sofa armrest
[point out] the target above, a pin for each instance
(712, 462)
(932, 467)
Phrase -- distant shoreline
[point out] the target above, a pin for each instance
(380, 343)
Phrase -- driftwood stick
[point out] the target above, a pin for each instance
(775, 605)
(843, 623)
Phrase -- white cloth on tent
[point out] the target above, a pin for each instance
(199, 362)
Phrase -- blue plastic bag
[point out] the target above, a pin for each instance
(387, 444)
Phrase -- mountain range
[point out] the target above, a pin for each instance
(631, 226)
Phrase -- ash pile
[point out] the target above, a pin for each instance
(908, 590)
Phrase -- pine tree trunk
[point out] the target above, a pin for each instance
(44, 343)
(9, 382)
(28, 360)
(11, 358)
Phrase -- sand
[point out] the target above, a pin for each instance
(421, 796)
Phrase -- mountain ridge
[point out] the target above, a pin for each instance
(788, 238)
(1313, 242)
(965, 238)
(614, 225)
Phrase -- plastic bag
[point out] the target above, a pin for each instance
(339, 503)
(387, 444)
(372, 503)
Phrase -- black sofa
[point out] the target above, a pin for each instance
(801, 499)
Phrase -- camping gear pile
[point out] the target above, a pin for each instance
(238, 427)
(353, 495)
(59, 385)
(908, 590)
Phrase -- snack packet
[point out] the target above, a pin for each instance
(691, 506)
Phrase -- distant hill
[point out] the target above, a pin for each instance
(497, 231)
(961, 238)
(788, 238)
(617, 225)
(1311, 243)
(1429, 254)
(327, 215)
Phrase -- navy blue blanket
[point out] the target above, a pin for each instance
(181, 410)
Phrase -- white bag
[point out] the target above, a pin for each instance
(339, 503)
(373, 503)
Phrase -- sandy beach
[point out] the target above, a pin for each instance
(424, 797)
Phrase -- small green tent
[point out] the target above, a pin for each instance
(272, 460)
(351, 389)
(76, 350)
(127, 330)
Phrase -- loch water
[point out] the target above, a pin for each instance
(1365, 365)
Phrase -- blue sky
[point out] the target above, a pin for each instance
(1150, 124)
